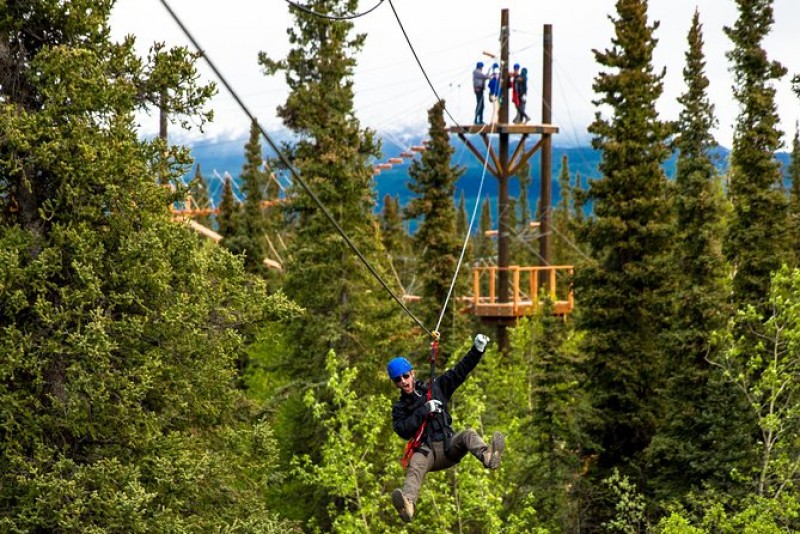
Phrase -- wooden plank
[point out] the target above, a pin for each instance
(505, 128)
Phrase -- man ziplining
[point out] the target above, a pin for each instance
(421, 417)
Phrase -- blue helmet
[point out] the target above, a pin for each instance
(480, 64)
(516, 66)
(398, 366)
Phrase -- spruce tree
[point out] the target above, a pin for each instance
(119, 328)
(546, 365)
(395, 239)
(198, 188)
(623, 288)
(248, 238)
(525, 251)
(689, 449)
(462, 217)
(485, 249)
(462, 227)
(794, 195)
(392, 232)
(524, 177)
(331, 155)
(228, 211)
(517, 252)
(347, 310)
(757, 237)
(433, 181)
(562, 220)
(578, 199)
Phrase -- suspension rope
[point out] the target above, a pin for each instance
(294, 173)
(469, 232)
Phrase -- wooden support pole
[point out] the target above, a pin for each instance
(502, 194)
(547, 168)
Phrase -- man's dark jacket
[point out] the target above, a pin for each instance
(409, 412)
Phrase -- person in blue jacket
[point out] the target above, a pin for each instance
(479, 79)
(495, 91)
(423, 418)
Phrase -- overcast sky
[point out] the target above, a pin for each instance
(449, 36)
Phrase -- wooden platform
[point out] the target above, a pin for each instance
(524, 293)
(504, 128)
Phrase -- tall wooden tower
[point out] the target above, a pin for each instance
(513, 290)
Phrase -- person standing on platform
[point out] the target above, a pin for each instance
(512, 79)
(479, 79)
(495, 89)
(520, 96)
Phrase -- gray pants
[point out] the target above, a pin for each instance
(426, 460)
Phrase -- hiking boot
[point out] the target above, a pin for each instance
(403, 505)
(495, 451)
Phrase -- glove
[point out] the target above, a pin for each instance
(480, 342)
(433, 406)
(524, 98)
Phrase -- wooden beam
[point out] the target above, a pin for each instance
(476, 152)
(525, 157)
(512, 161)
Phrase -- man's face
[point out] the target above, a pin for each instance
(405, 382)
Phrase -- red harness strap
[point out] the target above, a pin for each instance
(415, 442)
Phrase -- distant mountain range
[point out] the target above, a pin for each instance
(220, 158)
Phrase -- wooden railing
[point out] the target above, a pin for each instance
(523, 294)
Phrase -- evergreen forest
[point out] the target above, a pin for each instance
(225, 370)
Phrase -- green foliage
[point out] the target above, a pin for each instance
(541, 379)
(694, 443)
(247, 238)
(396, 241)
(119, 328)
(525, 521)
(198, 189)
(485, 247)
(356, 427)
(757, 236)
(564, 221)
(676, 524)
(768, 376)
(228, 210)
(624, 289)
(794, 195)
(629, 506)
(346, 310)
(715, 515)
(392, 232)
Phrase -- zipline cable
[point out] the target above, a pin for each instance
(296, 176)
(333, 17)
(483, 176)
(419, 63)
